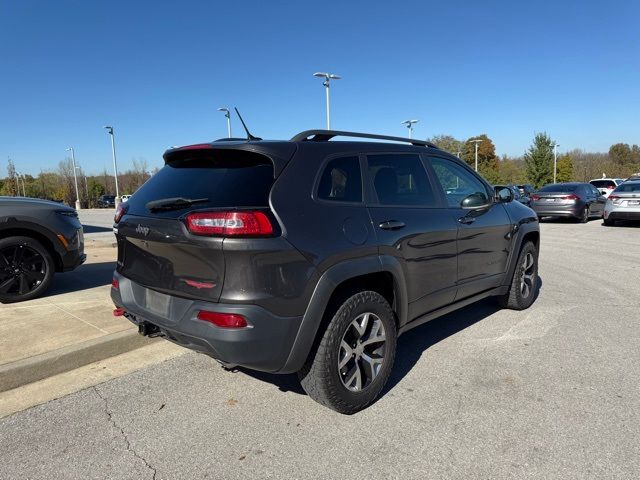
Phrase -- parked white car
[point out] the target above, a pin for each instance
(606, 185)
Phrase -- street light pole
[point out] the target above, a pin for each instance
(409, 125)
(228, 115)
(555, 161)
(327, 81)
(115, 164)
(476, 141)
(75, 176)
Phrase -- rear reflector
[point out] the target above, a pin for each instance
(119, 312)
(115, 284)
(229, 224)
(223, 320)
(535, 198)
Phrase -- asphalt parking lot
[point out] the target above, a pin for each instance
(550, 392)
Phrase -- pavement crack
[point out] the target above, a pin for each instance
(123, 433)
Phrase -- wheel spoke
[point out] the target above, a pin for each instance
(7, 284)
(17, 254)
(34, 276)
(354, 378)
(4, 261)
(361, 323)
(345, 354)
(372, 364)
(376, 335)
(24, 284)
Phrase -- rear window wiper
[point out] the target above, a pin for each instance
(173, 203)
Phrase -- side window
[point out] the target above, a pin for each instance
(456, 181)
(341, 180)
(400, 180)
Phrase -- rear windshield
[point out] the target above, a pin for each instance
(603, 183)
(559, 188)
(217, 178)
(628, 188)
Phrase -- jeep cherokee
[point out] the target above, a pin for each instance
(312, 256)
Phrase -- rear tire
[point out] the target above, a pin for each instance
(26, 269)
(586, 215)
(353, 361)
(524, 284)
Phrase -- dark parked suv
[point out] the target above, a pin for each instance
(312, 256)
(37, 238)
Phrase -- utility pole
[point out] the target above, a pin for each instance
(476, 141)
(75, 176)
(115, 164)
(228, 115)
(555, 161)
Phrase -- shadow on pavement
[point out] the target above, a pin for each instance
(95, 229)
(83, 278)
(410, 345)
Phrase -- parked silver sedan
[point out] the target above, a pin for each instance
(623, 203)
(581, 201)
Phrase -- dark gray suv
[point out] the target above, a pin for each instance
(312, 255)
(37, 238)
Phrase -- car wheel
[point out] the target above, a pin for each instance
(354, 358)
(524, 284)
(586, 214)
(26, 269)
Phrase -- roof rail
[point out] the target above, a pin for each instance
(326, 135)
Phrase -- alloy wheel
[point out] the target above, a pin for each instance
(22, 270)
(528, 275)
(361, 352)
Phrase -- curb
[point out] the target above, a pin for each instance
(32, 369)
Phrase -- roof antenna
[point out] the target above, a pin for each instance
(249, 136)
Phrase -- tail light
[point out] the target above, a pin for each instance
(535, 198)
(614, 198)
(223, 320)
(120, 211)
(570, 197)
(230, 224)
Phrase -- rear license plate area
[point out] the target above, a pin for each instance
(633, 203)
(157, 303)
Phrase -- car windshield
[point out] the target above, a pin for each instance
(559, 187)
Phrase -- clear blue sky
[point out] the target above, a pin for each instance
(157, 71)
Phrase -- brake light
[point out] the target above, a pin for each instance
(120, 211)
(614, 197)
(229, 224)
(570, 197)
(223, 320)
(535, 198)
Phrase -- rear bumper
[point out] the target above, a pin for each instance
(558, 210)
(264, 345)
(622, 215)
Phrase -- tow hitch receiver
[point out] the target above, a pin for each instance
(147, 329)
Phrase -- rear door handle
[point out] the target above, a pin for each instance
(391, 225)
(467, 220)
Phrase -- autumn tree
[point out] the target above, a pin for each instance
(539, 160)
(10, 186)
(488, 163)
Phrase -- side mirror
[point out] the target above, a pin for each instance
(475, 201)
(504, 194)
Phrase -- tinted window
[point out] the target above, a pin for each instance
(226, 178)
(456, 181)
(628, 187)
(341, 180)
(559, 187)
(603, 183)
(400, 180)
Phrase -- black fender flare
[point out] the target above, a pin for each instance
(325, 288)
(17, 223)
(524, 227)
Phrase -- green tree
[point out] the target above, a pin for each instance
(448, 144)
(512, 171)
(96, 188)
(620, 154)
(565, 169)
(539, 160)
